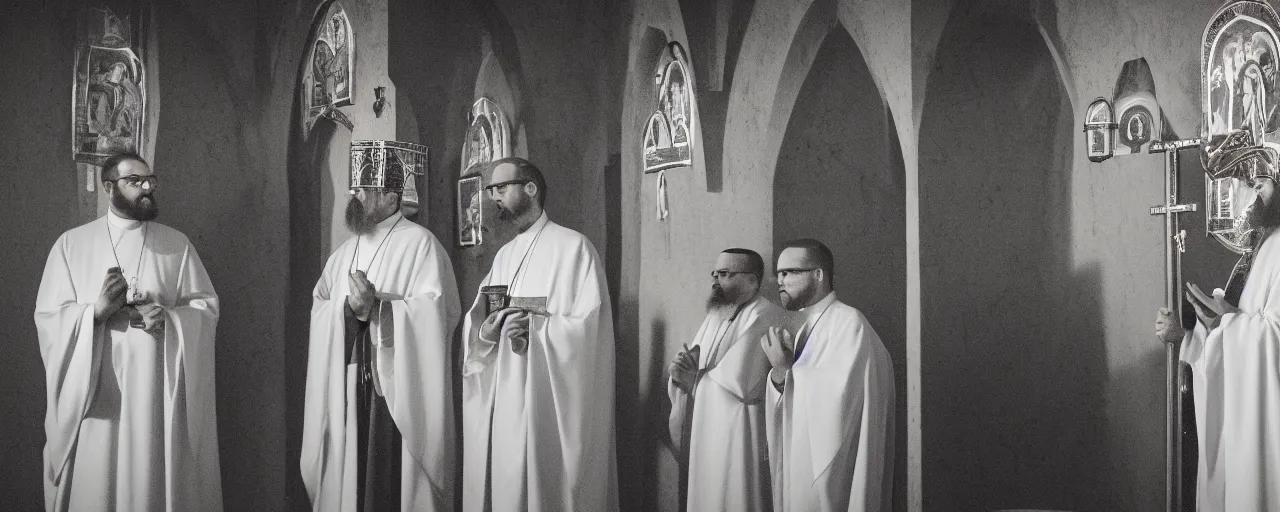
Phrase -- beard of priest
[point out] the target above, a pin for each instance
(129, 359)
(831, 402)
(378, 420)
(538, 371)
(717, 393)
(1235, 373)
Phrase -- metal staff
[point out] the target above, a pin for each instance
(1174, 246)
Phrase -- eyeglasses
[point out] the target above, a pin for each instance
(497, 188)
(784, 273)
(136, 181)
(721, 274)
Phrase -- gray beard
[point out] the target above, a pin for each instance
(717, 299)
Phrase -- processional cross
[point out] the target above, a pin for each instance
(1174, 246)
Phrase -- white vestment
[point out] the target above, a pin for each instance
(1236, 377)
(721, 424)
(831, 426)
(539, 426)
(411, 328)
(130, 420)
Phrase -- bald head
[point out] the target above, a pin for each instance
(516, 168)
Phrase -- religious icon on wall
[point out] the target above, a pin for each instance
(1238, 67)
(470, 211)
(668, 137)
(109, 92)
(1238, 99)
(488, 135)
(1139, 121)
(327, 79)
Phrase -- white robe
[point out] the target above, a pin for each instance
(412, 329)
(724, 417)
(130, 420)
(540, 425)
(831, 427)
(1236, 377)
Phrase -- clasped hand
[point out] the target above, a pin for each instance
(684, 369)
(778, 348)
(509, 323)
(112, 298)
(361, 298)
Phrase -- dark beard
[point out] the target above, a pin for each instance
(358, 219)
(515, 211)
(1264, 216)
(717, 298)
(791, 303)
(136, 209)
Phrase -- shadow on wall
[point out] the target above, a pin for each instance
(647, 472)
(1014, 363)
(840, 179)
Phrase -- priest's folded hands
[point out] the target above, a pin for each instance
(780, 352)
(684, 369)
(362, 298)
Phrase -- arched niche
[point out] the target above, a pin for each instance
(839, 178)
(499, 92)
(1013, 359)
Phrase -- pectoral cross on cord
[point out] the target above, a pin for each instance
(135, 295)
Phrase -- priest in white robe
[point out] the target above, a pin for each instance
(1234, 354)
(717, 392)
(831, 402)
(378, 426)
(126, 317)
(538, 386)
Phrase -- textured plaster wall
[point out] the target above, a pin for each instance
(39, 176)
(1055, 400)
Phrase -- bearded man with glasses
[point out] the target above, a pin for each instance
(831, 402)
(717, 390)
(126, 317)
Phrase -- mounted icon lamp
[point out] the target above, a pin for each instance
(379, 101)
(1100, 130)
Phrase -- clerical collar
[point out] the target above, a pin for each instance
(818, 307)
(535, 227)
(121, 222)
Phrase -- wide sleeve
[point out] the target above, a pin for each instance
(190, 401)
(571, 360)
(413, 335)
(847, 398)
(70, 347)
(679, 421)
(743, 371)
(324, 397)
(1249, 348)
